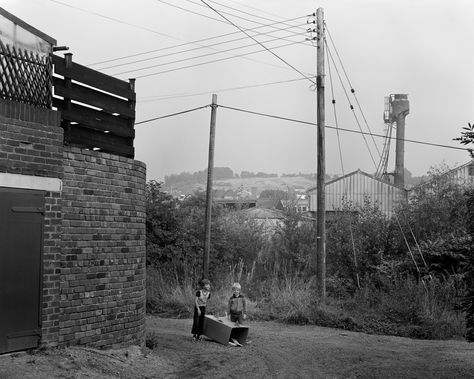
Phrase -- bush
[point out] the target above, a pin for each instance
(152, 340)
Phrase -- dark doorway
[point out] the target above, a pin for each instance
(21, 238)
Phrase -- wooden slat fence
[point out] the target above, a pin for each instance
(25, 77)
(97, 110)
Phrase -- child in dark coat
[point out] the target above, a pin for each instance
(202, 296)
(237, 305)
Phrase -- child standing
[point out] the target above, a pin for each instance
(237, 305)
(202, 296)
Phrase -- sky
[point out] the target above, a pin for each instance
(183, 51)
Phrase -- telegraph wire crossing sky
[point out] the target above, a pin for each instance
(259, 57)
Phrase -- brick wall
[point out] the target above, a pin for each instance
(103, 250)
(31, 143)
(93, 289)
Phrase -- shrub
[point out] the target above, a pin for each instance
(152, 340)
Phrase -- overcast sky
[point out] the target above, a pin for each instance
(423, 48)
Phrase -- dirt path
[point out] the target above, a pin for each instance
(275, 351)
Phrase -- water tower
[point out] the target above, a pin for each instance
(397, 107)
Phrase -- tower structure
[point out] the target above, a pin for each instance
(396, 110)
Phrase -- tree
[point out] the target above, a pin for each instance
(359, 238)
(276, 194)
(437, 207)
(467, 137)
(468, 303)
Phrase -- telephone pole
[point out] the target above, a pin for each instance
(321, 171)
(210, 173)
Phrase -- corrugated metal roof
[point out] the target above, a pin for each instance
(357, 187)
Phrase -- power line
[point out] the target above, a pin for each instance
(204, 55)
(244, 12)
(190, 11)
(304, 122)
(171, 115)
(350, 84)
(301, 122)
(256, 9)
(167, 97)
(196, 42)
(335, 116)
(203, 63)
(197, 48)
(129, 24)
(343, 129)
(220, 13)
(248, 35)
(350, 105)
(114, 19)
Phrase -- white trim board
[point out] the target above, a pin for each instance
(30, 182)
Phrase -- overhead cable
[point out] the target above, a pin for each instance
(196, 42)
(172, 114)
(342, 129)
(301, 122)
(335, 116)
(244, 12)
(203, 56)
(350, 84)
(189, 58)
(114, 19)
(220, 14)
(350, 105)
(125, 23)
(167, 97)
(203, 47)
(256, 41)
(203, 63)
(253, 8)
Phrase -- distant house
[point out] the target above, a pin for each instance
(462, 175)
(269, 219)
(356, 188)
(270, 204)
(299, 205)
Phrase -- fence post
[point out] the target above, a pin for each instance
(131, 104)
(66, 124)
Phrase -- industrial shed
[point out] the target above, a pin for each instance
(356, 188)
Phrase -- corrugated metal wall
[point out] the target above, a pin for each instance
(355, 188)
(463, 175)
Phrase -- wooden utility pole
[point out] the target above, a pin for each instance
(210, 173)
(321, 173)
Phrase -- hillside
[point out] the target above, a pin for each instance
(251, 185)
(282, 183)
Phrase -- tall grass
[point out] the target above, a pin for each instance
(168, 298)
(400, 306)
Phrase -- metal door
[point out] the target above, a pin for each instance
(21, 231)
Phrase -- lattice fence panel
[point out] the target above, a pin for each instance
(25, 77)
